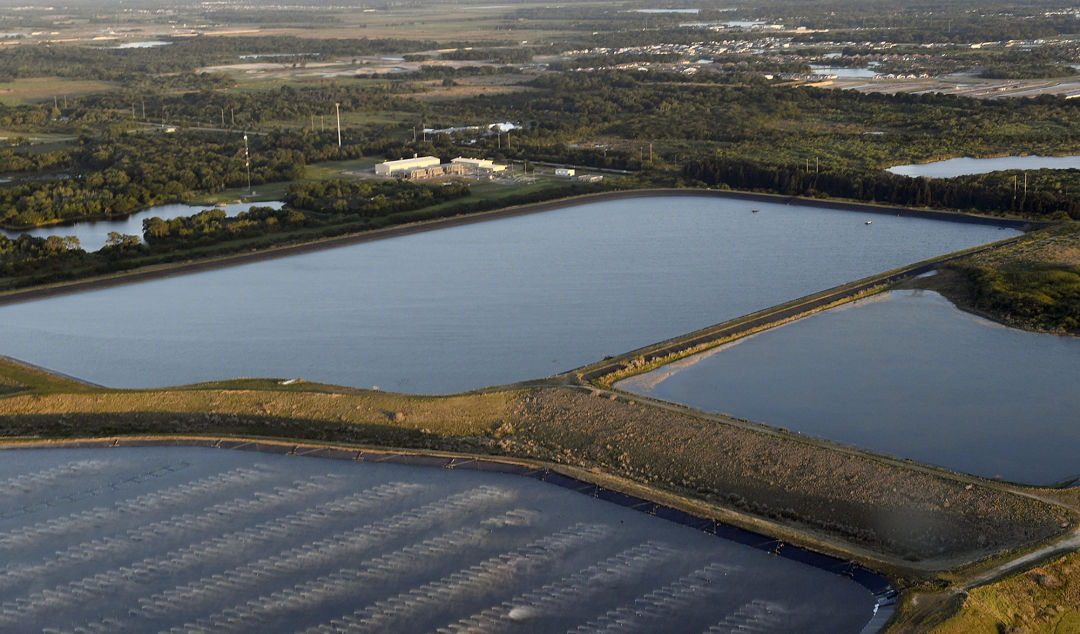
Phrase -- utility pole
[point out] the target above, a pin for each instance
(337, 110)
(247, 162)
(508, 139)
(223, 116)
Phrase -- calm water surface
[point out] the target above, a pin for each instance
(844, 71)
(465, 307)
(151, 539)
(966, 165)
(907, 374)
(147, 44)
(92, 234)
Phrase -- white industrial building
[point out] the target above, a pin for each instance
(478, 166)
(389, 168)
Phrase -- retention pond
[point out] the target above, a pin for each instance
(904, 373)
(198, 539)
(475, 305)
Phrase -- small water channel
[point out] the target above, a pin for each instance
(92, 234)
(160, 538)
(483, 304)
(965, 165)
(905, 373)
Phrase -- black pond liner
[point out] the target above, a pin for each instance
(872, 581)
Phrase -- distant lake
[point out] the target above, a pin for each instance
(92, 234)
(148, 44)
(476, 305)
(963, 166)
(742, 24)
(666, 10)
(844, 71)
(905, 373)
(191, 539)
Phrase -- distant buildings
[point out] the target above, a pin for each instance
(427, 167)
(480, 167)
(396, 168)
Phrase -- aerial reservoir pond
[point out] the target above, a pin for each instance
(210, 540)
(471, 306)
(965, 165)
(92, 234)
(905, 373)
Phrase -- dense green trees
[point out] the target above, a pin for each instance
(774, 125)
(369, 199)
(116, 175)
(986, 195)
(213, 225)
(27, 255)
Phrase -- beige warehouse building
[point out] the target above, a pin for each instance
(388, 168)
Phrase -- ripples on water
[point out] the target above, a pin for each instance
(150, 539)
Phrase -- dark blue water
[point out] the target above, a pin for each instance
(209, 540)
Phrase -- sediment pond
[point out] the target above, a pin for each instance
(905, 373)
(476, 305)
(198, 539)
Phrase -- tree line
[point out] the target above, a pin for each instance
(982, 195)
(116, 175)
